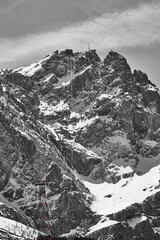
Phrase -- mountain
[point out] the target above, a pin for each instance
(91, 130)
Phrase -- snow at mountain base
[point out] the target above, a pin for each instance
(18, 229)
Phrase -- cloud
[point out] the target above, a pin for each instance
(133, 27)
(6, 5)
(93, 7)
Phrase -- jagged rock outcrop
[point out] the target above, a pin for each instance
(145, 231)
(150, 206)
(122, 231)
(20, 80)
(118, 62)
(141, 78)
(115, 232)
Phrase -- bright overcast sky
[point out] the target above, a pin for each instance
(31, 29)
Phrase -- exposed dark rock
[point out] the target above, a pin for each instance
(20, 80)
(151, 205)
(152, 98)
(55, 176)
(118, 62)
(144, 231)
(84, 81)
(73, 212)
(134, 210)
(141, 77)
(155, 222)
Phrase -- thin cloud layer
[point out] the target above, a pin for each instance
(6, 5)
(134, 27)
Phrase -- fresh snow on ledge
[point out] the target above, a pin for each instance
(105, 95)
(33, 68)
(29, 70)
(103, 223)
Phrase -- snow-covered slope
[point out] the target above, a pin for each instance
(111, 198)
(18, 230)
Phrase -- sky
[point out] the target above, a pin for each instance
(32, 29)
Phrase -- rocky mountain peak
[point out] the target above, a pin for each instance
(89, 128)
(116, 61)
(92, 55)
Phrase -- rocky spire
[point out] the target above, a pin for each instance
(117, 61)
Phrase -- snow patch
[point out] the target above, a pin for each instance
(84, 123)
(125, 170)
(134, 221)
(82, 71)
(120, 139)
(150, 143)
(71, 233)
(104, 95)
(52, 131)
(115, 91)
(79, 147)
(43, 106)
(30, 70)
(151, 88)
(105, 119)
(63, 81)
(48, 77)
(74, 115)
(103, 223)
(49, 109)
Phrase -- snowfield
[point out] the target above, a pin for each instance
(111, 198)
(124, 193)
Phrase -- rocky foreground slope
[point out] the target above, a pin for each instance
(91, 129)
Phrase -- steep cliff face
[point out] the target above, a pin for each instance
(74, 121)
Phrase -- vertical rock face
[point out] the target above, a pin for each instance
(75, 120)
(118, 62)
